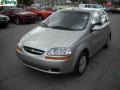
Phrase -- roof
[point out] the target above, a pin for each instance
(82, 9)
(89, 4)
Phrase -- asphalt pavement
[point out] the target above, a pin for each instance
(102, 73)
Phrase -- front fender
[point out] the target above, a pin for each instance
(78, 51)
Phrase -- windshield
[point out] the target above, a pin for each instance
(67, 20)
(18, 10)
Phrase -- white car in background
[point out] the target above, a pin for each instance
(95, 6)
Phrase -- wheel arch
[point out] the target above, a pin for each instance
(17, 17)
(82, 48)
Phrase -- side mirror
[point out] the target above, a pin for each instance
(96, 26)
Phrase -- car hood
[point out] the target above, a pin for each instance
(26, 13)
(3, 15)
(46, 38)
(44, 11)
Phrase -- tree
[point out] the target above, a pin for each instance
(101, 1)
(74, 0)
(26, 2)
(83, 1)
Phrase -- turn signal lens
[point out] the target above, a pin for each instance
(18, 49)
(58, 57)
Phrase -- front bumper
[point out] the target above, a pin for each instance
(28, 19)
(45, 65)
(4, 23)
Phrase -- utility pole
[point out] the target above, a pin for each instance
(52, 3)
(22, 2)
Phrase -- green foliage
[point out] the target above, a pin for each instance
(74, 0)
(101, 1)
(28, 2)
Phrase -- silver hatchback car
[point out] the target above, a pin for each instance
(65, 41)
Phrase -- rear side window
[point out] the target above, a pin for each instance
(94, 6)
(88, 6)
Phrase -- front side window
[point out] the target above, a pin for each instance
(88, 6)
(6, 10)
(67, 20)
(94, 6)
(95, 18)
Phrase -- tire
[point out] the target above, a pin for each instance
(108, 43)
(17, 21)
(81, 64)
(4, 25)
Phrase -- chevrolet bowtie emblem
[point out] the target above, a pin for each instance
(33, 50)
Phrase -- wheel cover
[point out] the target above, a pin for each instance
(82, 64)
(17, 21)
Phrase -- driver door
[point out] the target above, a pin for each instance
(98, 35)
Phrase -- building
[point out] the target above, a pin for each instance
(49, 2)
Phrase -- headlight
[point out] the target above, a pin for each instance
(19, 45)
(8, 19)
(60, 51)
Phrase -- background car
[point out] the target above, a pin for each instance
(1, 7)
(113, 10)
(94, 6)
(65, 41)
(41, 13)
(4, 20)
(19, 15)
(48, 8)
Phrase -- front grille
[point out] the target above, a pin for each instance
(33, 50)
(4, 19)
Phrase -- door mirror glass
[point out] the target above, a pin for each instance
(96, 28)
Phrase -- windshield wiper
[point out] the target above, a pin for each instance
(60, 27)
(43, 24)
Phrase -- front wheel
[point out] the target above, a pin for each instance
(17, 21)
(81, 64)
